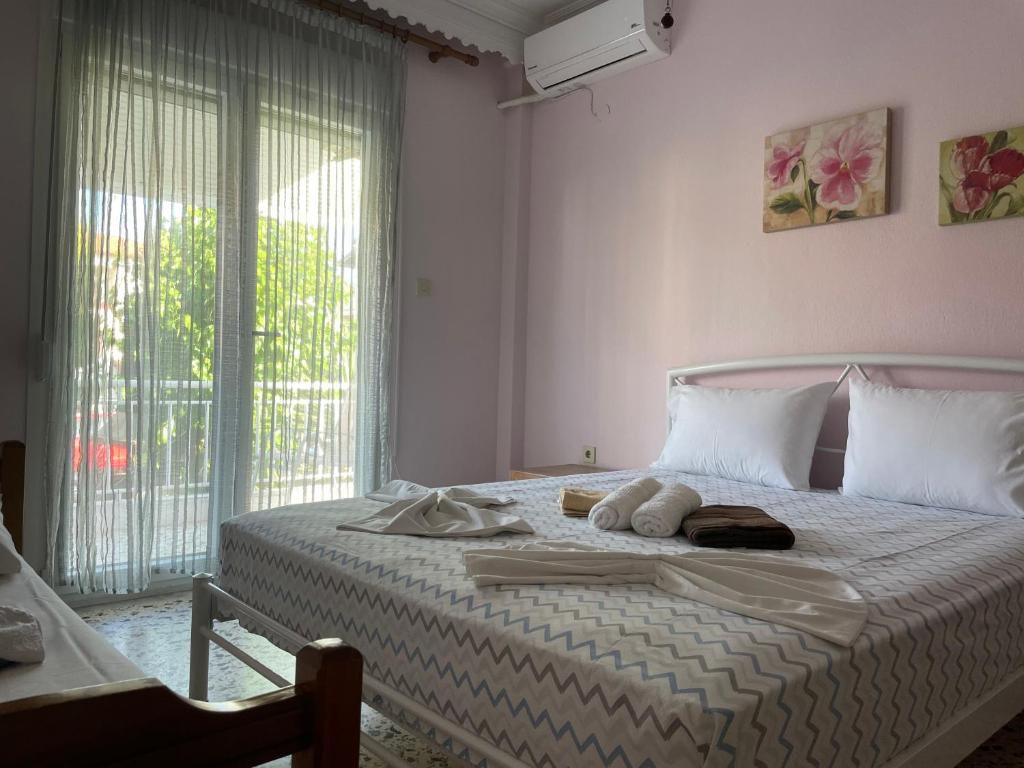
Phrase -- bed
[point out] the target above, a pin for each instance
(88, 705)
(632, 676)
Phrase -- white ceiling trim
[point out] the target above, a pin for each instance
(489, 25)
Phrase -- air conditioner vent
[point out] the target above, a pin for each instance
(586, 65)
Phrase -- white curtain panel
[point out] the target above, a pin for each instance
(219, 277)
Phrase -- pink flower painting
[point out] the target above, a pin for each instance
(826, 173)
(981, 177)
(784, 161)
(848, 159)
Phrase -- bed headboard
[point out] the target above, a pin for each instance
(823, 475)
(848, 363)
(12, 488)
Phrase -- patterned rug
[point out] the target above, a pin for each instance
(154, 633)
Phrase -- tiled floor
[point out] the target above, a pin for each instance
(154, 633)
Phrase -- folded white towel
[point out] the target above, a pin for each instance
(21, 638)
(775, 589)
(614, 511)
(663, 513)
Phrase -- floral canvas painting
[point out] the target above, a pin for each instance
(981, 177)
(826, 173)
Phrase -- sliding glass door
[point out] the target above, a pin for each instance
(165, 315)
(305, 331)
(221, 266)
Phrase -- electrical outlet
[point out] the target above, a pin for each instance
(424, 287)
(590, 454)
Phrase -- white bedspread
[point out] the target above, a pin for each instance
(76, 655)
(630, 675)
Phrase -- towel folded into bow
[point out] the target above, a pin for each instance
(417, 511)
(21, 638)
(760, 586)
(725, 526)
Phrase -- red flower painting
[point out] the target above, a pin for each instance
(981, 177)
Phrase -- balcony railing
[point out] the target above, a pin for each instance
(302, 450)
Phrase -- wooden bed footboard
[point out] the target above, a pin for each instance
(142, 722)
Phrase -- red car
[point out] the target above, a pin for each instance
(97, 453)
(100, 456)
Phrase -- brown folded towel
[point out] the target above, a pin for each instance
(721, 525)
(577, 502)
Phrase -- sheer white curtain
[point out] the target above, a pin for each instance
(219, 274)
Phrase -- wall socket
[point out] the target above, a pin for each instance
(590, 454)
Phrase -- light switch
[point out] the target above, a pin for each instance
(423, 286)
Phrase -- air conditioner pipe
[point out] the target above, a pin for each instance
(523, 100)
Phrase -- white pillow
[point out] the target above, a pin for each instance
(764, 436)
(939, 448)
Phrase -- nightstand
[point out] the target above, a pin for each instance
(556, 470)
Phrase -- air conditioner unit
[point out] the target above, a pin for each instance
(609, 38)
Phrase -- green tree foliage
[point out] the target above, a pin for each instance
(304, 303)
(304, 351)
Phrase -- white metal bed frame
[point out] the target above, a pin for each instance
(943, 748)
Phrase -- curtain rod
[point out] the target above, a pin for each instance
(438, 51)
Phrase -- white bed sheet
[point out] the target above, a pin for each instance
(632, 676)
(76, 655)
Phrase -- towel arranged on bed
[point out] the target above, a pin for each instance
(760, 586)
(615, 511)
(663, 513)
(577, 502)
(721, 525)
(418, 511)
(404, 490)
(21, 638)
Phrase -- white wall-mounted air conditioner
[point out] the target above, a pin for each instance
(609, 38)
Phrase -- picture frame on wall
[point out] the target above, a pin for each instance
(828, 172)
(981, 177)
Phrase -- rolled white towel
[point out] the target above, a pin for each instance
(664, 512)
(614, 511)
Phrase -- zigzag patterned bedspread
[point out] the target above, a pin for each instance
(632, 676)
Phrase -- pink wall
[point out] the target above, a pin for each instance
(18, 52)
(451, 228)
(646, 248)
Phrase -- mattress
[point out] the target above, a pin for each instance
(633, 676)
(76, 655)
